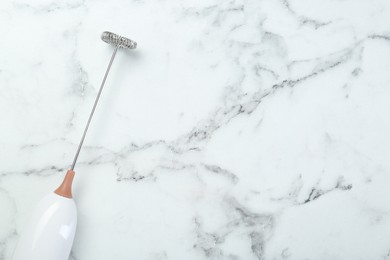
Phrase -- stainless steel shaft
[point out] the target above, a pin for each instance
(119, 42)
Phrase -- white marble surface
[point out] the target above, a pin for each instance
(237, 130)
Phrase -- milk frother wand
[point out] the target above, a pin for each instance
(50, 233)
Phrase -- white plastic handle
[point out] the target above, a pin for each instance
(50, 233)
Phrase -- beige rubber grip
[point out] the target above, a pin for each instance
(65, 189)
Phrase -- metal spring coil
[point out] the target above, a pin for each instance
(117, 40)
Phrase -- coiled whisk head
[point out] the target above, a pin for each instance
(117, 40)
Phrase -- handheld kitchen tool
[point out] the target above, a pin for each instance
(50, 233)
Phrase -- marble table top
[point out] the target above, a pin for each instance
(237, 130)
